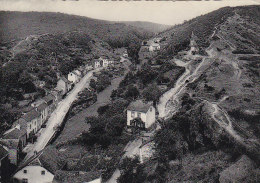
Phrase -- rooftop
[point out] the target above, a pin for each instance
(139, 106)
(31, 115)
(51, 159)
(15, 133)
(75, 176)
(42, 107)
(48, 98)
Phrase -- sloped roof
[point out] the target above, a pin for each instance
(42, 107)
(48, 98)
(75, 176)
(52, 159)
(31, 115)
(3, 152)
(139, 106)
(14, 134)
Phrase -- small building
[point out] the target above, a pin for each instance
(63, 85)
(42, 168)
(58, 94)
(5, 166)
(103, 62)
(97, 64)
(15, 140)
(50, 101)
(74, 77)
(31, 121)
(154, 47)
(141, 110)
(33, 172)
(43, 109)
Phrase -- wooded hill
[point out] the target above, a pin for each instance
(19, 25)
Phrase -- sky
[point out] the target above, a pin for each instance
(164, 12)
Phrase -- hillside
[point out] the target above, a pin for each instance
(148, 26)
(203, 27)
(210, 117)
(19, 25)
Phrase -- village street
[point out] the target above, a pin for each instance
(57, 116)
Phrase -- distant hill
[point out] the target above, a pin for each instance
(203, 27)
(19, 25)
(148, 26)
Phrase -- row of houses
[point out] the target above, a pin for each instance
(34, 117)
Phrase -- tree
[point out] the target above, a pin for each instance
(132, 92)
(133, 51)
(152, 93)
(92, 84)
(131, 171)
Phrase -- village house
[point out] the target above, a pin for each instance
(43, 109)
(50, 101)
(5, 165)
(143, 111)
(103, 62)
(15, 140)
(30, 121)
(154, 47)
(42, 168)
(63, 85)
(57, 94)
(96, 64)
(74, 77)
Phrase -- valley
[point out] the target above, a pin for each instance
(151, 103)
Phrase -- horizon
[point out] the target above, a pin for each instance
(149, 11)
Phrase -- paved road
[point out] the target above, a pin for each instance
(57, 116)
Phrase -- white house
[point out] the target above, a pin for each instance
(104, 62)
(42, 168)
(144, 111)
(154, 47)
(33, 173)
(97, 64)
(74, 77)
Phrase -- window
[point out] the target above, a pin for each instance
(24, 180)
(30, 126)
(43, 172)
(139, 115)
(132, 114)
(151, 109)
(24, 171)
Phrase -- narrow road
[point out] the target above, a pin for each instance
(76, 124)
(57, 116)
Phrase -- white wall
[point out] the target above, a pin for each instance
(72, 77)
(129, 116)
(34, 175)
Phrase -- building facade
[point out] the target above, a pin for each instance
(143, 111)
